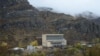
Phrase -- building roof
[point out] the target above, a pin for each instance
(52, 34)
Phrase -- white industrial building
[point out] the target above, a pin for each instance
(53, 40)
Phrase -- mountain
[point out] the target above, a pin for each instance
(44, 9)
(97, 20)
(18, 19)
(21, 23)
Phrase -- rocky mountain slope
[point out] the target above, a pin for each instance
(20, 22)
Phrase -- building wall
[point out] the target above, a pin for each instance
(44, 40)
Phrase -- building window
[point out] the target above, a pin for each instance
(54, 37)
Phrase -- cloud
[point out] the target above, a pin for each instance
(69, 6)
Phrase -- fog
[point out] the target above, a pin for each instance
(69, 6)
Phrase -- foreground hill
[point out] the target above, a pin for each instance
(20, 22)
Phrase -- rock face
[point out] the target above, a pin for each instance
(12, 6)
(18, 19)
(20, 22)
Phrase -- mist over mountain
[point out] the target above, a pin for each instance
(20, 22)
(69, 6)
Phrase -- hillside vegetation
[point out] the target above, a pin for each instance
(20, 22)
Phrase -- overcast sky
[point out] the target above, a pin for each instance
(69, 6)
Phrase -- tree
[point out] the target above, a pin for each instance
(4, 44)
(3, 50)
(34, 43)
(58, 52)
(93, 51)
(96, 40)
